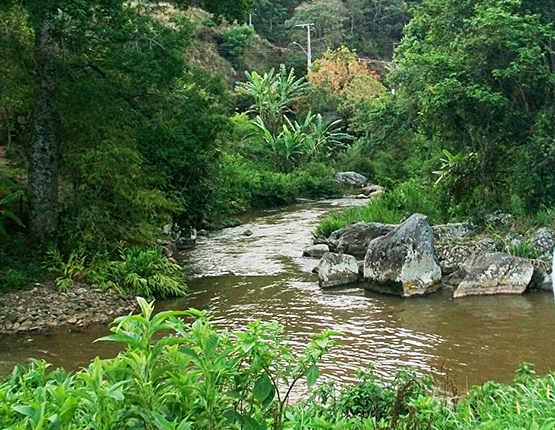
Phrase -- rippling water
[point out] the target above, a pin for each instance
(240, 278)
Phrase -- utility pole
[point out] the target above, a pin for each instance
(309, 47)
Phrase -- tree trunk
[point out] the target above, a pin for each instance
(43, 159)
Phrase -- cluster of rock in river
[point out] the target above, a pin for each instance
(413, 259)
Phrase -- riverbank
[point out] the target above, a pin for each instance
(41, 308)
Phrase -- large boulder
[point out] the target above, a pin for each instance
(337, 269)
(403, 262)
(494, 273)
(350, 178)
(316, 251)
(355, 238)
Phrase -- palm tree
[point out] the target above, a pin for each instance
(273, 94)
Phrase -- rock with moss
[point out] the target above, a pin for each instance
(494, 273)
(451, 255)
(453, 231)
(543, 240)
(403, 262)
(350, 178)
(355, 238)
(337, 269)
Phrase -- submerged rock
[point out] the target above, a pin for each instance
(316, 251)
(403, 262)
(350, 178)
(337, 269)
(355, 238)
(494, 273)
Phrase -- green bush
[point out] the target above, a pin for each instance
(183, 374)
(233, 43)
(193, 378)
(136, 270)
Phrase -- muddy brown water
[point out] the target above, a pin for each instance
(240, 278)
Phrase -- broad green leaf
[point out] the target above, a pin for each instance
(312, 375)
(262, 388)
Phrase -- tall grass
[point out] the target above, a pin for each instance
(404, 200)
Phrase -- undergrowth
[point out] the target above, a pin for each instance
(135, 270)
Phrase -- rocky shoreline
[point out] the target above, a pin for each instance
(41, 308)
(414, 259)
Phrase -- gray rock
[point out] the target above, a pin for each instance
(544, 241)
(316, 251)
(167, 229)
(248, 233)
(320, 240)
(494, 273)
(184, 243)
(361, 196)
(452, 255)
(202, 233)
(453, 231)
(403, 262)
(542, 279)
(350, 178)
(337, 269)
(376, 194)
(499, 220)
(372, 189)
(355, 238)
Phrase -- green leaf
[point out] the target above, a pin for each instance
(262, 388)
(247, 346)
(312, 375)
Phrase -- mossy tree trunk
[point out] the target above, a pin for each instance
(43, 158)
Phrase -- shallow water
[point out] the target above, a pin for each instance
(240, 278)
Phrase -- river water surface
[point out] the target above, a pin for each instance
(240, 278)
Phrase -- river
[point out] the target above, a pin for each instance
(240, 278)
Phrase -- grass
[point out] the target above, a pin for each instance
(404, 200)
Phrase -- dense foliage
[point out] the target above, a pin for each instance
(474, 91)
(138, 138)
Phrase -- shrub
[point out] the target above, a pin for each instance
(233, 43)
(136, 270)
